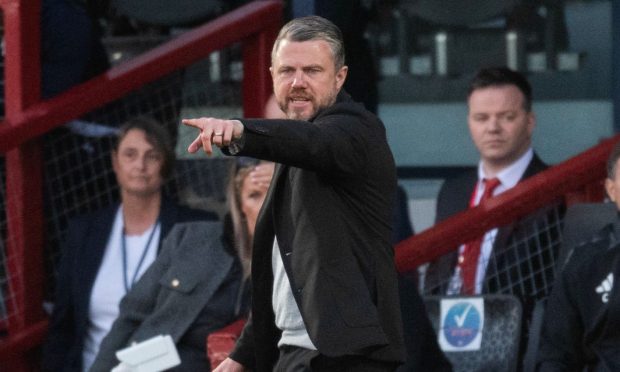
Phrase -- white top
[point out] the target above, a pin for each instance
(508, 177)
(109, 286)
(288, 317)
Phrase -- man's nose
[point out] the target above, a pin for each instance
(494, 125)
(299, 80)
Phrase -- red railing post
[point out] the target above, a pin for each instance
(24, 185)
(28, 117)
(244, 23)
(257, 86)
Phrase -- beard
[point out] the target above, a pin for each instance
(317, 105)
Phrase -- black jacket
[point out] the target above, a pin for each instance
(581, 330)
(330, 206)
(82, 253)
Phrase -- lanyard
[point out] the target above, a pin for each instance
(144, 251)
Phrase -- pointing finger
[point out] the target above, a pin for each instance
(192, 123)
(195, 145)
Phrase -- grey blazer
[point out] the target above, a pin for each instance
(190, 290)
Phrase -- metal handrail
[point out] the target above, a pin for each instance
(255, 25)
(576, 179)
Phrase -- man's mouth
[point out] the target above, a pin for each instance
(496, 142)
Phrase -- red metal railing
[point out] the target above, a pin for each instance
(576, 179)
(27, 117)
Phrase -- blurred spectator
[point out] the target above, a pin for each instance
(190, 290)
(71, 47)
(518, 258)
(501, 124)
(581, 327)
(106, 252)
(217, 284)
(248, 184)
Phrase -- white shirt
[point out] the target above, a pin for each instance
(508, 177)
(109, 286)
(287, 314)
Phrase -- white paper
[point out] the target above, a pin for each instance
(153, 355)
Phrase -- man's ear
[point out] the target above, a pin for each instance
(610, 187)
(531, 122)
(341, 76)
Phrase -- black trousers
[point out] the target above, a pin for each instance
(297, 359)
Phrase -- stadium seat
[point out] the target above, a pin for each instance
(581, 221)
(220, 343)
(500, 336)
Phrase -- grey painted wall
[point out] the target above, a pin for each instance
(437, 134)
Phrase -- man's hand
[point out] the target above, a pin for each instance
(213, 131)
(229, 365)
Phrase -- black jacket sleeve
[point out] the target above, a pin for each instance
(560, 348)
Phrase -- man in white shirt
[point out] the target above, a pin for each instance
(508, 259)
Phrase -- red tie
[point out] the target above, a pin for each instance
(468, 260)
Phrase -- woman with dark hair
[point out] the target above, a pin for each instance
(106, 252)
(196, 285)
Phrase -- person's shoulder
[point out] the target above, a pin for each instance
(454, 193)
(183, 213)
(461, 182)
(536, 165)
(197, 228)
(200, 236)
(603, 240)
(95, 216)
(188, 214)
(346, 105)
(599, 250)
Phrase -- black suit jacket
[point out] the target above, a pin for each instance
(330, 207)
(582, 316)
(82, 253)
(506, 272)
